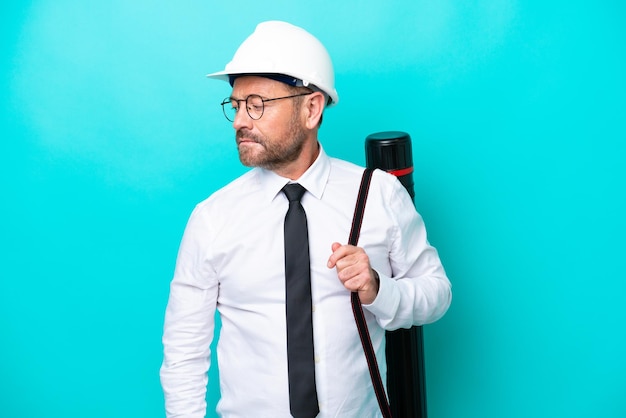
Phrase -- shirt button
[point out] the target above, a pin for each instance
(313, 308)
(317, 359)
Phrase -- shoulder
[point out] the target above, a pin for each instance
(346, 174)
(237, 190)
(345, 169)
(341, 169)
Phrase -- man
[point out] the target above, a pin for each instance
(234, 256)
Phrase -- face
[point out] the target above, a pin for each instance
(278, 137)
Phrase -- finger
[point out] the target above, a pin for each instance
(352, 270)
(357, 283)
(353, 259)
(335, 256)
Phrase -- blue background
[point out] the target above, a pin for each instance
(111, 134)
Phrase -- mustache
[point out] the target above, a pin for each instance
(246, 134)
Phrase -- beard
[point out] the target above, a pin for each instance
(276, 152)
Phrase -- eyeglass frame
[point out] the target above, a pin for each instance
(230, 100)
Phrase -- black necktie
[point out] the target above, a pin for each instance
(300, 358)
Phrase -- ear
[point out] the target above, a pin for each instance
(314, 107)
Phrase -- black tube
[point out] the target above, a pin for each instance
(406, 383)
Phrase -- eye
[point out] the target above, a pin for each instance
(255, 104)
(255, 100)
(256, 107)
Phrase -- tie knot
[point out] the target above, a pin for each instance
(294, 191)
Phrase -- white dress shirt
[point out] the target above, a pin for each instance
(231, 259)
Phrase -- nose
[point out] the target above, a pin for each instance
(242, 119)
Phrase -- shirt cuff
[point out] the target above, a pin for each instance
(385, 306)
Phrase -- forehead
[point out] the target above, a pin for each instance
(247, 85)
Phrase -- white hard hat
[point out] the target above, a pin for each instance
(280, 48)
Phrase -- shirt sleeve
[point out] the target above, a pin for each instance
(417, 291)
(189, 325)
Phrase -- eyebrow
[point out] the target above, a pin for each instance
(231, 97)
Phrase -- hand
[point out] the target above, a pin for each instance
(354, 271)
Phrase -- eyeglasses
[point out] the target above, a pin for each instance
(255, 105)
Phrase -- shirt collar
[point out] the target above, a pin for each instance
(314, 179)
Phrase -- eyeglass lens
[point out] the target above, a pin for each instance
(253, 103)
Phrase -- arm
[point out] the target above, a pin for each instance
(189, 326)
(417, 291)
